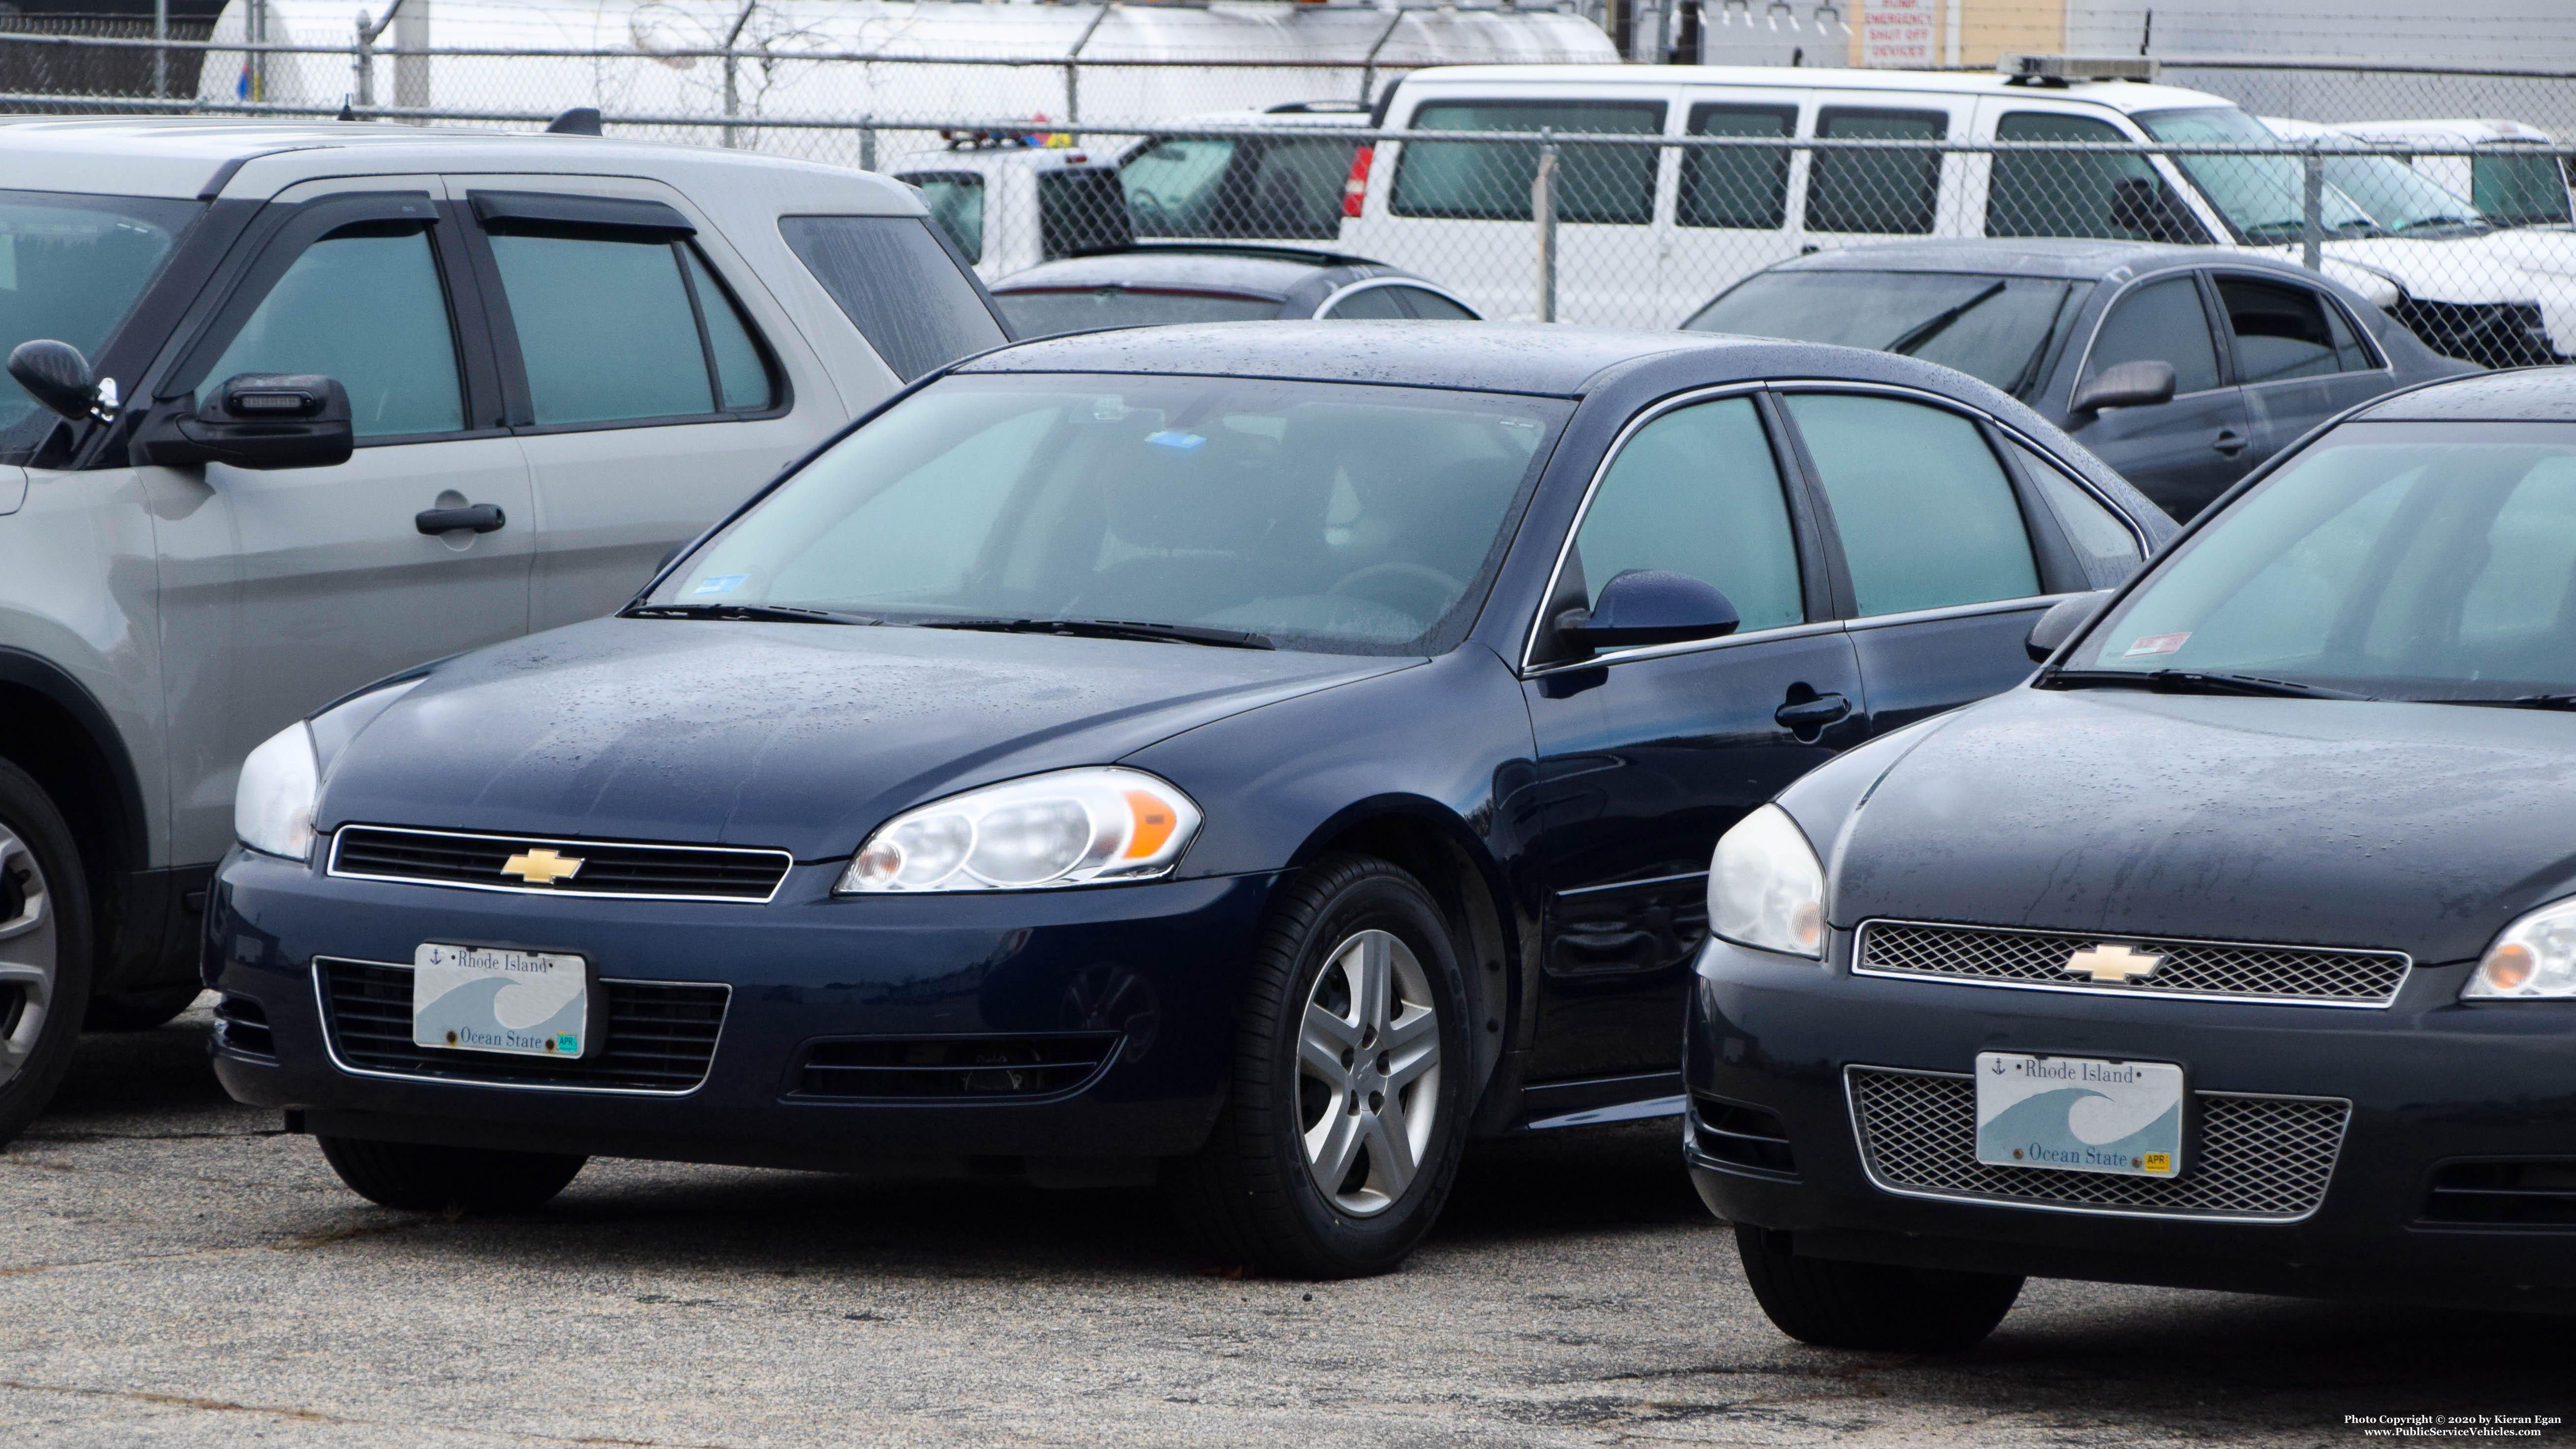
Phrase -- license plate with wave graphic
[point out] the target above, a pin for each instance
(2079, 1114)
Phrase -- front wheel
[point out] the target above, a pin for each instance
(44, 949)
(420, 1178)
(1835, 1304)
(1336, 1148)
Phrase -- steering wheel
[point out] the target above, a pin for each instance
(1402, 586)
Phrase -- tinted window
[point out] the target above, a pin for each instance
(1431, 306)
(1875, 191)
(2108, 550)
(956, 202)
(1996, 329)
(897, 285)
(1483, 182)
(605, 328)
(2160, 322)
(370, 311)
(1926, 515)
(71, 267)
(2044, 194)
(742, 376)
(1696, 492)
(1741, 188)
(2280, 331)
(2518, 190)
(1222, 187)
(1174, 186)
(1044, 313)
(2351, 350)
(1081, 212)
(1370, 302)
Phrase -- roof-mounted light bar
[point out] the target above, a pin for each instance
(2058, 70)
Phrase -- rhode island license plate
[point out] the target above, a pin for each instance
(520, 1002)
(2079, 1113)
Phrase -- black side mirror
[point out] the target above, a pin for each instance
(55, 374)
(257, 420)
(1647, 606)
(2061, 622)
(2125, 385)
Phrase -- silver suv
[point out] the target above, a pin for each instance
(301, 406)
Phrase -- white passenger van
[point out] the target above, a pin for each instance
(2495, 164)
(1646, 235)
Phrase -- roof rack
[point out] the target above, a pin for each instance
(2060, 70)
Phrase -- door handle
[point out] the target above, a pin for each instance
(1800, 716)
(2230, 442)
(480, 517)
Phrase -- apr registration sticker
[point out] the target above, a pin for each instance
(2080, 1114)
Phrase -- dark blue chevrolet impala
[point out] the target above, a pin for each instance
(1258, 757)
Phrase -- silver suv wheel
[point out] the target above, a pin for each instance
(30, 954)
(1368, 1073)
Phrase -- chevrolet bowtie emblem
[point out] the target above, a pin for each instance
(2111, 963)
(542, 867)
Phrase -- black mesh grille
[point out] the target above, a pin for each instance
(660, 1036)
(968, 1068)
(1751, 1137)
(606, 869)
(2182, 968)
(2490, 334)
(2255, 1157)
(241, 1027)
(2533, 1194)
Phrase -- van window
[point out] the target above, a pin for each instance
(2519, 190)
(1740, 188)
(956, 202)
(897, 285)
(1477, 181)
(1882, 192)
(2043, 194)
(2160, 322)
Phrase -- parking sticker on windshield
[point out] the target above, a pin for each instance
(2156, 644)
(1177, 442)
(720, 584)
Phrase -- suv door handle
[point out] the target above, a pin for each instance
(481, 517)
(2230, 442)
(1811, 714)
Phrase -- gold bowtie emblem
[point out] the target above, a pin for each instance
(542, 867)
(2111, 963)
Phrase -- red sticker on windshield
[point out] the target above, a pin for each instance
(2156, 644)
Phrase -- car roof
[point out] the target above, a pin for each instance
(2522, 395)
(2127, 96)
(2075, 259)
(994, 158)
(2466, 130)
(1243, 269)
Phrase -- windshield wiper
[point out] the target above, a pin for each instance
(1939, 322)
(2521, 701)
(1111, 629)
(755, 613)
(2184, 681)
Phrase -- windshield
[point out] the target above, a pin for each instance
(1326, 517)
(1995, 329)
(2397, 560)
(2263, 197)
(2519, 190)
(1046, 311)
(2398, 197)
(70, 269)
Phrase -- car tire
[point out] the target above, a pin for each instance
(1872, 1306)
(138, 1010)
(44, 949)
(1333, 1075)
(418, 1178)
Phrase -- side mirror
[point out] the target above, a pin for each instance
(55, 374)
(2126, 385)
(2061, 622)
(257, 420)
(1647, 606)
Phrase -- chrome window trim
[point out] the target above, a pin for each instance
(330, 1044)
(1869, 1168)
(2084, 366)
(2211, 998)
(1959, 611)
(1629, 885)
(332, 867)
(1371, 284)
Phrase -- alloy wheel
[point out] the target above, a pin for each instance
(1368, 1073)
(29, 954)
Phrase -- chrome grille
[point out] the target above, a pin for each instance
(606, 868)
(2265, 1158)
(2297, 975)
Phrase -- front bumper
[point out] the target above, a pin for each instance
(1158, 964)
(2429, 1082)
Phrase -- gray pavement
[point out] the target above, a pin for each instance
(174, 1270)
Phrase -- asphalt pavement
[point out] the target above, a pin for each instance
(175, 1270)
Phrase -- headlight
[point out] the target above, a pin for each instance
(273, 803)
(1070, 827)
(2534, 959)
(1765, 888)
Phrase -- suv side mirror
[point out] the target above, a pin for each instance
(1648, 606)
(2061, 622)
(257, 420)
(2125, 385)
(55, 374)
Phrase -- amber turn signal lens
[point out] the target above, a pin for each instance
(2508, 966)
(1155, 821)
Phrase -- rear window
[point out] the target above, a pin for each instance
(1045, 312)
(1222, 187)
(1481, 181)
(897, 285)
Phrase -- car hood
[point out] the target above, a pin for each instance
(2520, 264)
(800, 737)
(2417, 827)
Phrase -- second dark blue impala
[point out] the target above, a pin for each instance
(1261, 756)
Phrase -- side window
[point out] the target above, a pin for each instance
(1296, 191)
(1476, 181)
(1882, 192)
(1696, 492)
(1371, 303)
(2280, 331)
(1926, 515)
(2038, 193)
(2352, 350)
(1431, 306)
(2108, 550)
(366, 307)
(2160, 322)
(1172, 187)
(1082, 210)
(956, 202)
(1747, 188)
(610, 329)
(897, 285)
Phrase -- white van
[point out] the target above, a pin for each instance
(1009, 206)
(2492, 163)
(1648, 234)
